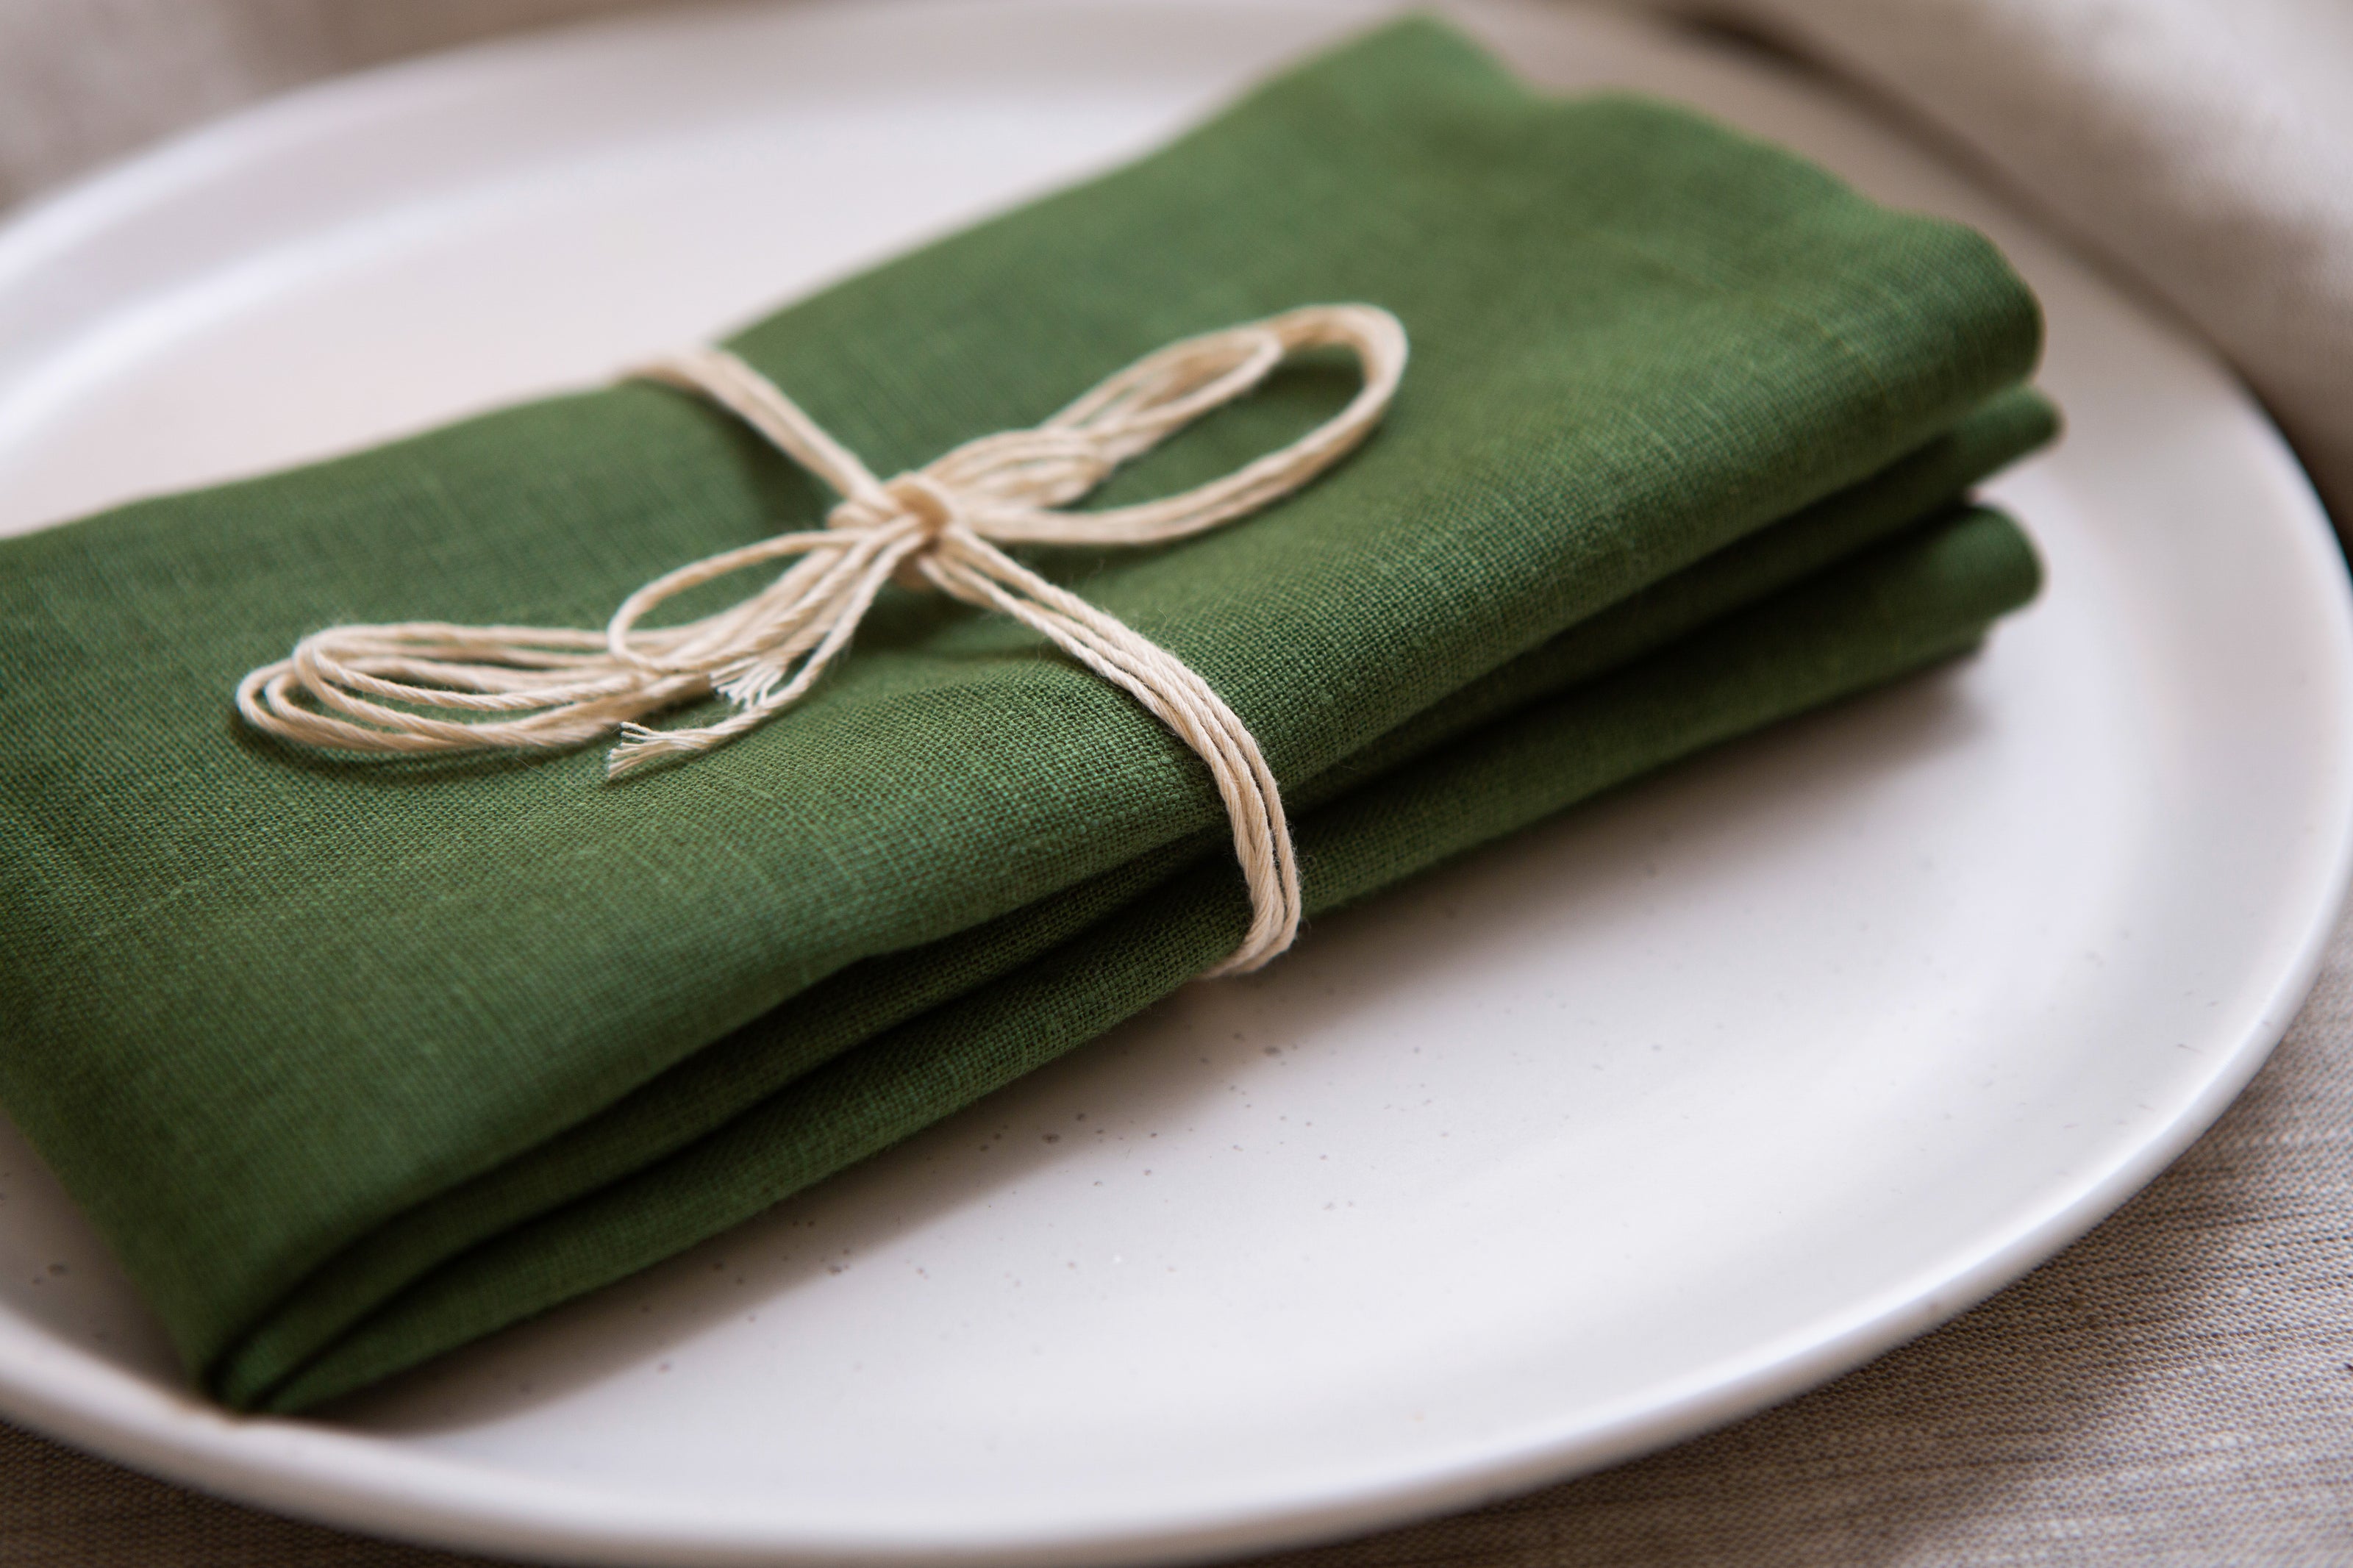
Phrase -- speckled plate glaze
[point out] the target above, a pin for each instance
(1685, 1102)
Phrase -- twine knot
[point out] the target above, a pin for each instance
(919, 497)
(915, 498)
(934, 528)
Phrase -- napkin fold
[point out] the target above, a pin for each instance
(353, 1060)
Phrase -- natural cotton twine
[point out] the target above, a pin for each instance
(938, 527)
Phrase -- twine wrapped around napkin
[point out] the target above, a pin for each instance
(356, 1058)
(932, 528)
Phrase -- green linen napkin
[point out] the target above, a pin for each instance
(352, 1060)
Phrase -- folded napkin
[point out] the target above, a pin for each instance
(355, 1059)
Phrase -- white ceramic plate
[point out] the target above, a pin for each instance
(1685, 1102)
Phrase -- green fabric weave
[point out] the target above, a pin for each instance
(355, 1059)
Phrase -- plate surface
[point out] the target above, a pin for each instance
(1680, 1104)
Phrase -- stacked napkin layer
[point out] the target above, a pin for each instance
(355, 1059)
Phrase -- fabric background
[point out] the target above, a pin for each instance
(2201, 148)
(2177, 1388)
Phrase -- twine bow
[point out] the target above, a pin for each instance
(937, 527)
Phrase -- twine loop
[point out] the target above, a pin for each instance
(936, 528)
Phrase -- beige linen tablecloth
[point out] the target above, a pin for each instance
(2177, 1388)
